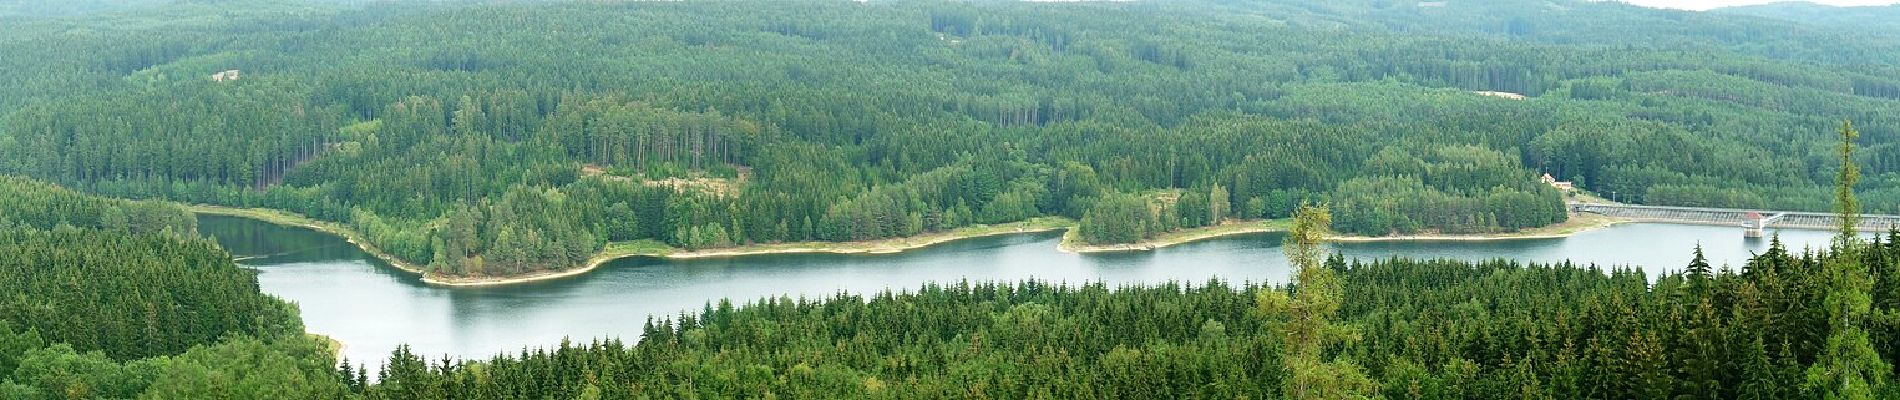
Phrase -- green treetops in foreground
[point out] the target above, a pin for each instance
(1424, 330)
(1849, 367)
(1310, 329)
(1409, 329)
(111, 299)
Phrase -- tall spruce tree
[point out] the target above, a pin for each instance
(1848, 367)
(1700, 273)
(1317, 295)
(1846, 206)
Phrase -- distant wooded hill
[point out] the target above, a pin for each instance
(1878, 20)
(455, 134)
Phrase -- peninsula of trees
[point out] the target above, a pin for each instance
(1823, 324)
(510, 138)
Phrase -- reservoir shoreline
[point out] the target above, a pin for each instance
(1070, 243)
(347, 294)
(616, 251)
(287, 218)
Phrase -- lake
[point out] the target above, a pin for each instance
(371, 308)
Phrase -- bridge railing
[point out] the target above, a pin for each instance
(1783, 219)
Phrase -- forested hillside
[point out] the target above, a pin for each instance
(1818, 324)
(1879, 20)
(31, 8)
(1404, 329)
(128, 278)
(508, 138)
(113, 299)
(26, 203)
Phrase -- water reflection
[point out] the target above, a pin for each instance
(371, 308)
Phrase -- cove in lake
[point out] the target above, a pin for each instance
(372, 308)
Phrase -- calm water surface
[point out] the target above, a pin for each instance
(371, 308)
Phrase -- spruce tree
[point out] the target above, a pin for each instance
(1846, 206)
(1848, 367)
(1317, 296)
(1700, 273)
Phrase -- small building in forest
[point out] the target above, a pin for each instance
(225, 76)
(1560, 185)
(1502, 95)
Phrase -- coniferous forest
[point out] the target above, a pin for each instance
(501, 138)
(78, 323)
(114, 299)
(1415, 329)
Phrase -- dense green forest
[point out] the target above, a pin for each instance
(498, 138)
(116, 299)
(1869, 19)
(127, 278)
(1416, 329)
(1819, 324)
(1419, 329)
(26, 203)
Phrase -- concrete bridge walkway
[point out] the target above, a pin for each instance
(1753, 220)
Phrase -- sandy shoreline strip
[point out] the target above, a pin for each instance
(1072, 243)
(885, 246)
(1578, 223)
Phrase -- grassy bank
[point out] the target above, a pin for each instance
(1072, 242)
(884, 246)
(618, 250)
(652, 248)
(1578, 223)
(330, 344)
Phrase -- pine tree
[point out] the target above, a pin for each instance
(1317, 296)
(1648, 366)
(1848, 367)
(1759, 378)
(349, 375)
(1700, 273)
(1846, 207)
(1699, 266)
(1218, 204)
(1703, 351)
